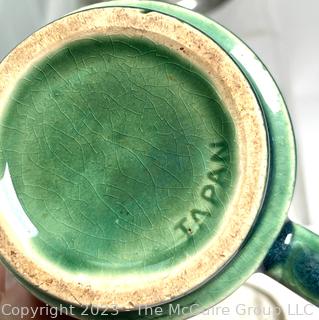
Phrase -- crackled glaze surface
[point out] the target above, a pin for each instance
(120, 153)
(275, 205)
(84, 119)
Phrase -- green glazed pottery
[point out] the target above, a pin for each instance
(147, 164)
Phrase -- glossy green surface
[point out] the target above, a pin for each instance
(294, 261)
(121, 155)
(281, 176)
(279, 189)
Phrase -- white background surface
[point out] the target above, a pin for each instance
(285, 35)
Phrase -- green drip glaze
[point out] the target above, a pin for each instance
(293, 260)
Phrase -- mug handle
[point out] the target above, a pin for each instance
(293, 261)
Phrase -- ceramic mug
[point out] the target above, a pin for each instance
(147, 164)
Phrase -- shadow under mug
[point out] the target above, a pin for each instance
(147, 165)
